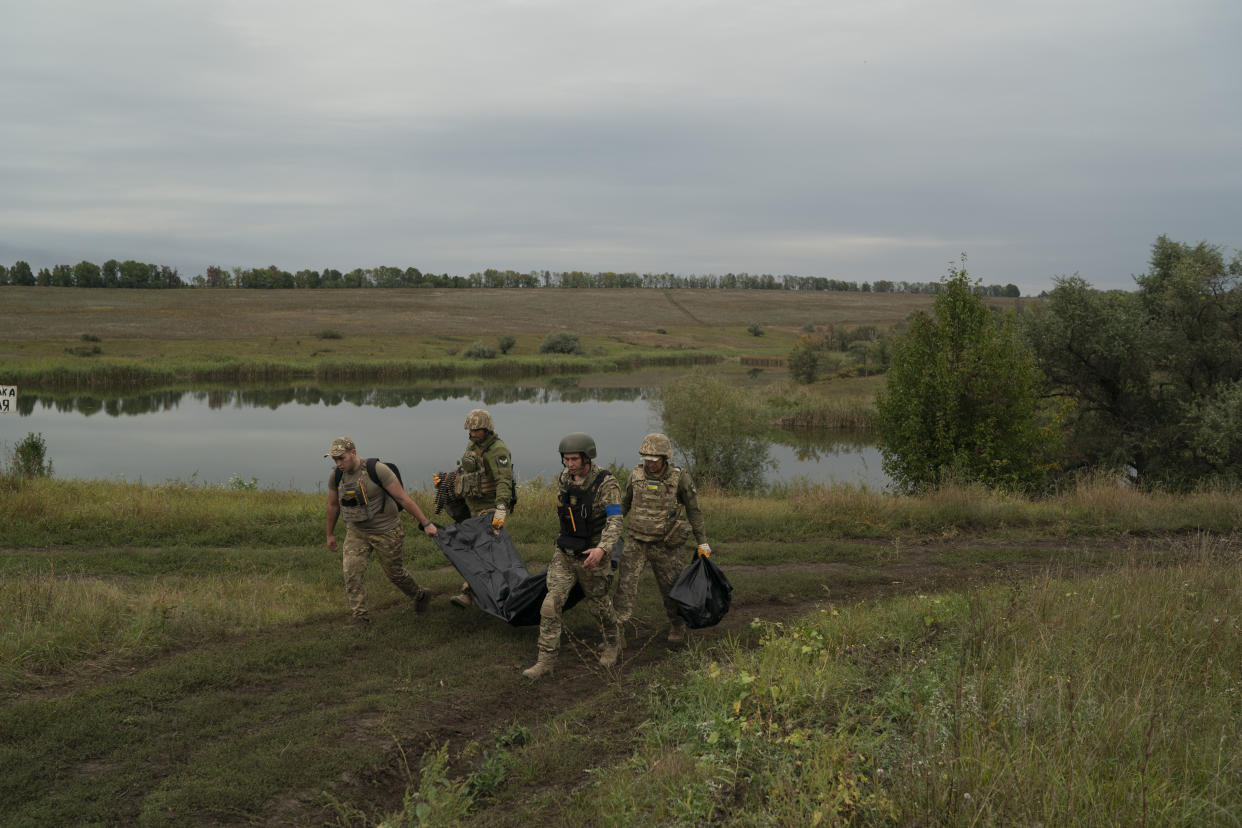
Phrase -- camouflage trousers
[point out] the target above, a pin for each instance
(563, 571)
(667, 564)
(387, 546)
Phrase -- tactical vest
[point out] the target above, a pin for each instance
(580, 530)
(655, 511)
(474, 476)
(358, 505)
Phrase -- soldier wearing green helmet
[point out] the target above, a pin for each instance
(589, 508)
(483, 483)
(662, 509)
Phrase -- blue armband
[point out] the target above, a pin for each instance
(612, 509)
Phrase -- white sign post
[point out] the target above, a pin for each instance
(8, 399)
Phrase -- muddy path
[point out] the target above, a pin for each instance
(479, 717)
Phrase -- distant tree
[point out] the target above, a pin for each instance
(62, 276)
(803, 360)
(506, 342)
(21, 274)
(110, 273)
(961, 400)
(87, 274)
(44, 277)
(4, 275)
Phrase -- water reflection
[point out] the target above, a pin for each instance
(278, 435)
(813, 446)
(148, 402)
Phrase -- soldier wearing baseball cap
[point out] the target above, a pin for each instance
(370, 498)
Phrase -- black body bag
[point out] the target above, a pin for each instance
(490, 563)
(702, 593)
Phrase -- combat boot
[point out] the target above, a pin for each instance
(676, 633)
(608, 658)
(543, 667)
(464, 598)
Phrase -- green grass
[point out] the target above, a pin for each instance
(178, 653)
(1066, 701)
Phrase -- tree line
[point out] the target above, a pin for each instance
(133, 274)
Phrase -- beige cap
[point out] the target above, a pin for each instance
(341, 446)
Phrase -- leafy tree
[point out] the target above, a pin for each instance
(804, 360)
(718, 430)
(506, 342)
(1149, 375)
(961, 401)
(87, 274)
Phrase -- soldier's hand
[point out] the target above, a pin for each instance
(498, 517)
(594, 556)
(332, 542)
(705, 551)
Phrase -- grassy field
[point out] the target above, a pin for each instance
(179, 654)
(168, 337)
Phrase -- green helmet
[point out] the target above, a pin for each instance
(478, 418)
(577, 443)
(655, 445)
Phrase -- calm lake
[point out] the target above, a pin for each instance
(278, 437)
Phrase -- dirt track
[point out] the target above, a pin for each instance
(478, 718)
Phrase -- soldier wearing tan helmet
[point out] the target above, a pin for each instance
(662, 509)
(589, 509)
(484, 482)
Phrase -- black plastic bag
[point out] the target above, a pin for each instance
(490, 563)
(702, 593)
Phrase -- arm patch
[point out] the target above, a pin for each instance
(612, 509)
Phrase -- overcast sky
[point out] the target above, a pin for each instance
(852, 139)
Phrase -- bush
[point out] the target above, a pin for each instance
(328, 334)
(561, 343)
(755, 329)
(479, 351)
(505, 343)
(29, 458)
(718, 430)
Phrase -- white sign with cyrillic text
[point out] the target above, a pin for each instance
(8, 399)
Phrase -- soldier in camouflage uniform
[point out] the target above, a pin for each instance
(372, 523)
(483, 483)
(589, 508)
(653, 503)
